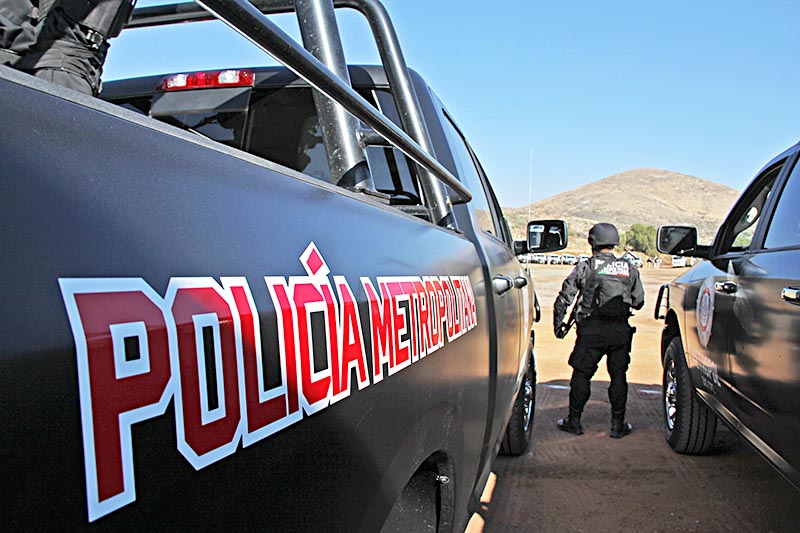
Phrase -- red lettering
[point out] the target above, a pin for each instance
(380, 310)
(286, 337)
(263, 408)
(315, 386)
(402, 355)
(123, 375)
(352, 351)
(207, 407)
(423, 319)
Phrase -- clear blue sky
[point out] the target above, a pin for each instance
(708, 88)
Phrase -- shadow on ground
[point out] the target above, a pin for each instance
(594, 483)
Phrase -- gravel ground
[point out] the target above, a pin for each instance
(595, 483)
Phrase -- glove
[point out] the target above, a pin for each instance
(561, 330)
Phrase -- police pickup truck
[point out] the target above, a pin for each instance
(731, 341)
(231, 305)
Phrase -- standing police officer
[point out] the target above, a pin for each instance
(609, 287)
(63, 41)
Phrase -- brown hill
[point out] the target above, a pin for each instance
(641, 196)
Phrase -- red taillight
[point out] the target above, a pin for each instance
(208, 80)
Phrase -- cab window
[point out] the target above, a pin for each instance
(284, 128)
(472, 180)
(784, 228)
(279, 124)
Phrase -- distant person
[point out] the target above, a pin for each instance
(63, 41)
(609, 287)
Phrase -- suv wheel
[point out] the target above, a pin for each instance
(689, 425)
(520, 427)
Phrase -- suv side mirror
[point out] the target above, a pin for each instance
(547, 235)
(677, 240)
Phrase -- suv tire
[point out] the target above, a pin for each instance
(689, 425)
(520, 426)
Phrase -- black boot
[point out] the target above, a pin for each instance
(620, 428)
(571, 424)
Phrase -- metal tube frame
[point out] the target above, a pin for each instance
(346, 157)
(247, 19)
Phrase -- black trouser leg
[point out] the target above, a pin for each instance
(583, 360)
(618, 360)
(579, 392)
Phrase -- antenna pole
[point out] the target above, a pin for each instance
(530, 186)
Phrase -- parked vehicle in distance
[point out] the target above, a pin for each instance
(553, 259)
(678, 261)
(568, 259)
(730, 346)
(584, 257)
(632, 258)
(539, 259)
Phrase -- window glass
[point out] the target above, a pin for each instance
(283, 128)
(225, 127)
(739, 234)
(472, 180)
(281, 125)
(784, 230)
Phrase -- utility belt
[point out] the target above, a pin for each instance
(607, 318)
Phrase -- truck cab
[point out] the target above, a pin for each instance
(216, 321)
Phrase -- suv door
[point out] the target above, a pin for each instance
(713, 308)
(505, 279)
(765, 352)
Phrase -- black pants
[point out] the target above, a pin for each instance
(597, 338)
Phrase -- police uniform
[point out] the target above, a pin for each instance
(63, 41)
(609, 287)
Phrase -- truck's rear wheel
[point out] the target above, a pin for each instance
(689, 425)
(520, 427)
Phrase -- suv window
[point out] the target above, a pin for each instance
(471, 178)
(738, 235)
(784, 229)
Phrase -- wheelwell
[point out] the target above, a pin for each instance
(426, 501)
(671, 330)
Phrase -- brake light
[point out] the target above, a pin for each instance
(208, 80)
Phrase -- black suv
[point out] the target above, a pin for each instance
(731, 341)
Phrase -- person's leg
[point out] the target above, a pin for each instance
(66, 54)
(617, 362)
(18, 29)
(583, 360)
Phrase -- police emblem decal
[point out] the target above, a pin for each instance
(705, 311)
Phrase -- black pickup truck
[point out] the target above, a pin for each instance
(212, 319)
(730, 345)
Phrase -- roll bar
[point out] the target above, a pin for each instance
(249, 20)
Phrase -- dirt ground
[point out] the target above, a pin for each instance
(595, 483)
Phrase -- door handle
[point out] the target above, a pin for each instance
(728, 287)
(520, 282)
(791, 294)
(502, 284)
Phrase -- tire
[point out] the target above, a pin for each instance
(519, 431)
(689, 425)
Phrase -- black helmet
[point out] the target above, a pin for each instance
(603, 235)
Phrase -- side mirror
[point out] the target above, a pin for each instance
(677, 240)
(547, 235)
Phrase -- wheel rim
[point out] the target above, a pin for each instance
(670, 395)
(527, 387)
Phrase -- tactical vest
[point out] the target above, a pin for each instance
(608, 287)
